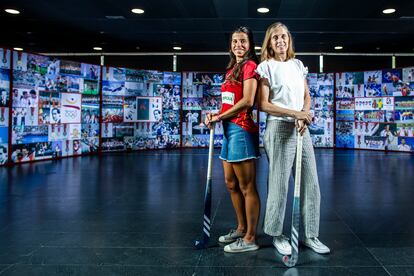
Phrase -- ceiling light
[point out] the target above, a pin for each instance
(388, 11)
(97, 48)
(138, 11)
(177, 48)
(338, 47)
(12, 11)
(257, 48)
(263, 10)
(18, 49)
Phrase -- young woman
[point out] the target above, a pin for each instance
(240, 140)
(284, 96)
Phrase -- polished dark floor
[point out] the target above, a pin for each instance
(137, 213)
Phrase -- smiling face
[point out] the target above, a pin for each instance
(240, 45)
(279, 41)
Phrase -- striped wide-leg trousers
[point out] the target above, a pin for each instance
(280, 145)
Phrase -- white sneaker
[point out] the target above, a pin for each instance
(232, 236)
(282, 245)
(240, 246)
(316, 245)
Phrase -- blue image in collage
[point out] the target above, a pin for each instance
(373, 90)
(172, 78)
(406, 143)
(345, 141)
(4, 77)
(4, 135)
(4, 58)
(345, 115)
(391, 75)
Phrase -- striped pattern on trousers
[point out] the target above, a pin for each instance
(280, 145)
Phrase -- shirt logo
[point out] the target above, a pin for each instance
(227, 98)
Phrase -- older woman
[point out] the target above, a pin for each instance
(284, 96)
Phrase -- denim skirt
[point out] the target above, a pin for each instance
(238, 144)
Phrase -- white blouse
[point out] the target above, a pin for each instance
(287, 88)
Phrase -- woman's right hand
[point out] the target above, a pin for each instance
(208, 121)
(303, 115)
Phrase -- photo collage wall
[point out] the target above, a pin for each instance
(201, 95)
(52, 108)
(140, 109)
(55, 108)
(4, 104)
(375, 109)
(321, 88)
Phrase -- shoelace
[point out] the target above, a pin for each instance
(240, 242)
(232, 231)
(283, 237)
(316, 241)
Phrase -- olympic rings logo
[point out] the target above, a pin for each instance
(71, 114)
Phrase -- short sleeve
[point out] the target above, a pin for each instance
(249, 70)
(302, 68)
(262, 71)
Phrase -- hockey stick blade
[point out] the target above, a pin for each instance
(290, 262)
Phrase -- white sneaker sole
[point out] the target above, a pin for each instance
(319, 251)
(283, 252)
(229, 250)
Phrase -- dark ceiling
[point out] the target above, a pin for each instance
(317, 25)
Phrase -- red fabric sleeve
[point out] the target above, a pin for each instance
(249, 70)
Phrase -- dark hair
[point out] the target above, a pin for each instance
(250, 54)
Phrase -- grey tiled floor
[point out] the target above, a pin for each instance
(137, 214)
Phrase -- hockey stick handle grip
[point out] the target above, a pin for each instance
(298, 170)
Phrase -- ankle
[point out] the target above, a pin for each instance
(249, 238)
(241, 230)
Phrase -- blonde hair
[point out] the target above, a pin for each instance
(267, 51)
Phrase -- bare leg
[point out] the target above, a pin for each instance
(236, 196)
(246, 175)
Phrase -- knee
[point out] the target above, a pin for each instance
(247, 188)
(231, 184)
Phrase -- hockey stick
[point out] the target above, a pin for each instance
(291, 261)
(201, 244)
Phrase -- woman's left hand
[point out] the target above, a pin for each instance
(301, 126)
